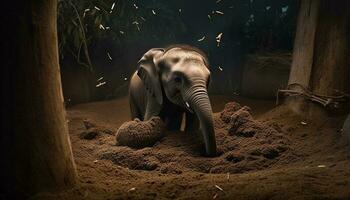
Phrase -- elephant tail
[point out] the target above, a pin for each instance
(139, 134)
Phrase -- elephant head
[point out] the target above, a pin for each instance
(182, 73)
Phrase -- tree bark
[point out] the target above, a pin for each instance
(331, 65)
(304, 43)
(321, 51)
(36, 140)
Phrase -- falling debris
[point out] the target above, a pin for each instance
(107, 27)
(201, 39)
(218, 39)
(303, 123)
(143, 18)
(228, 175)
(131, 189)
(109, 56)
(268, 7)
(95, 161)
(321, 166)
(125, 79)
(219, 188)
(136, 7)
(218, 1)
(85, 11)
(100, 78)
(180, 10)
(219, 12)
(284, 9)
(100, 84)
(102, 27)
(220, 68)
(209, 17)
(112, 7)
(215, 196)
(121, 32)
(154, 12)
(137, 25)
(97, 8)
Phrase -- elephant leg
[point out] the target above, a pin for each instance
(134, 110)
(191, 123)
(152, 108)
(174, 122)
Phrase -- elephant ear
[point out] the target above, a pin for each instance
(149, 73)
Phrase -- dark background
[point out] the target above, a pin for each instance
(248, 27)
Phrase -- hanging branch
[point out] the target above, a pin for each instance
(84, 42)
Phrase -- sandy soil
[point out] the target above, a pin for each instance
(265, 153)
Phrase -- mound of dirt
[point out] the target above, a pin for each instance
(140, 134)
(245, 144)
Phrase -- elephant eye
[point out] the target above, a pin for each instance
(177, 79)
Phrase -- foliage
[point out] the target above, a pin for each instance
(120, 21)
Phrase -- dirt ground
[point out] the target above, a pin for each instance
(265, 153)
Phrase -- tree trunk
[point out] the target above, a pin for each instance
(321, 51)
(331, 65)
(304, 43)
(36, 140)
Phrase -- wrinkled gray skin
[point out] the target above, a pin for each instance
(170, 83)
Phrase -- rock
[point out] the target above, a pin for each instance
(89, 135)
(88, 124)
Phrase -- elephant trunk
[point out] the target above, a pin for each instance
(198, 99)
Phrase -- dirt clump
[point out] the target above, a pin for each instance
(140, 134)
(245, 144)
(93, 130)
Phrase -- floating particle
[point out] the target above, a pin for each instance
(109, 56)
(201, 39)
(154, 12)
(95, 161)
(180, 9)
(321, 166)
(218, 1)
(112, 7)
(136, 7)
(228, 176)
(102, 27)
(125, 79)
(131, 189)
(209, 17)
(137, 25)
(218, 39)
(85, 11)
(143, 18)
(303, 123)
(219, 188)
(220, 68)
(284, 9)
(121, 32)
(97, 8)
(268, 7)
(100, 84)
(100, 78)
(107, 27)
(215, 196)
(219, 12)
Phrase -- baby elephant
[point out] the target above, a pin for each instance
(170, 82)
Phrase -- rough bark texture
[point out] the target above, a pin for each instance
(321, 53)
(331, 65)
(304, 42)
(37, 141)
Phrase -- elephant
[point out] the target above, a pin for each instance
(170, 82)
